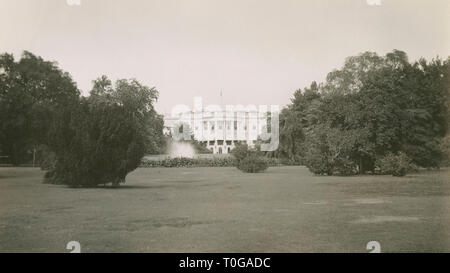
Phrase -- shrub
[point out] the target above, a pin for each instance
(105, 146)
(323, 163)
(241, 151)
(178, 162)
(198, 162)
(250, 160)
(253, 164)
(102, 138)
(345, 166)
(330, 151)
(396, 165)
(319, 164)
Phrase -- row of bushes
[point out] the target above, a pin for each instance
(391, 164)
(199, 162)
(177, 162)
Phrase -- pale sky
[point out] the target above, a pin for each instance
(255, 51)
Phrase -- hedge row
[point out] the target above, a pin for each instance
(178, 162)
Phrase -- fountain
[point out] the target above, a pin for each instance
(181, 149)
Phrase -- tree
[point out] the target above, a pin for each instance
(296, 121)
(104, 137)
(371, 107)
(32, 92)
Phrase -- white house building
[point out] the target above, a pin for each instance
(220, 129)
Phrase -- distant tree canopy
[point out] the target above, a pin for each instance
(372, 106)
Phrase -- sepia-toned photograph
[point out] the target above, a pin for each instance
(224, 126)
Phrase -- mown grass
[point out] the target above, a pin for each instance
(286, 209)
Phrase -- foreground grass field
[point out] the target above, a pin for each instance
(286, 209)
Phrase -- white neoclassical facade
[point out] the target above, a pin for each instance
(220, 129)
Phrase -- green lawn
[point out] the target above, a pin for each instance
(286, 209)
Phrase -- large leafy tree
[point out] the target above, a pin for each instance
(32, 92)
(296, 120)
(379, 104)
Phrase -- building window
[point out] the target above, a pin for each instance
(235, 125)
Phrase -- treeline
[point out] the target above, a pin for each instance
(81, 141)
(376, 113)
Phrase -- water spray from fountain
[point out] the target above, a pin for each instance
(181, 149)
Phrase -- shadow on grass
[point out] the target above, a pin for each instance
(131, 187)
(122, 187)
